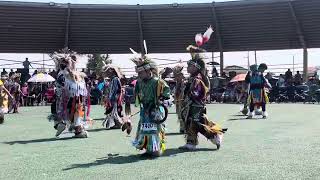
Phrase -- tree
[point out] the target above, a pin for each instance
(97, 61)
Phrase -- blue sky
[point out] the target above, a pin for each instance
(231, 58)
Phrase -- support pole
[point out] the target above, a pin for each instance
(218, 35)
(66, 38)
(302, 41)
(305, 64)
(255, 58)
(140, 30)
(213, 67)
(248, 60)
(221, 63)
(293, 64)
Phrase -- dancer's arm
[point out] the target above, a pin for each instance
(6, 90)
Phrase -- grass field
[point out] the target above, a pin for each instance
(285, 146)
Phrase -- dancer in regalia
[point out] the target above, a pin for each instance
(178, 93)
(257, 93)
(195, 93)
(71, 98)
(113, 98)
(150, 91)
(15, 90)
(4, 98)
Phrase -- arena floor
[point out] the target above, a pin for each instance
(284, 146)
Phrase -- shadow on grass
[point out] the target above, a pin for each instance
(241, 119)
(37, 140)
(97, 130)
(98, 119)
(239, 115)
(103, 129)
(174, 134)
(119, 159)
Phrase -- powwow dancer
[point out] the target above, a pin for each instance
(178, 94)
(4, 98)
(150, 90)
(113, 99)
(15, 90)
(128, 94)
(71, 96)
(5, 94)
(194, 107)
(257, 95)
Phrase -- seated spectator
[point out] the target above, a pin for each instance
(25, 94)
(288, 76)
(49, 94)
(297, 79)
(281, 81)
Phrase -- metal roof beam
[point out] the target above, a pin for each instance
(217, 29)
(140, 30)
(66, 38)
(298, 26)
(302, 41)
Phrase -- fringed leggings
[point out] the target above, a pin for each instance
(194, 125)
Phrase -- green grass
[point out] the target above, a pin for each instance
(285, 146)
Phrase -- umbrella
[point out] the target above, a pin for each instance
(239, 77)
(41, 78)
(134, 82)
(213, 63)
(237, 69)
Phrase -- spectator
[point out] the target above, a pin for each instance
(215, 82)
(53, 74)
(316, 76)
(281, 81)
(268, 76)
(214, 72)
(49, 94)
(35, 72)
(25, 94)
(298, 79)
(101, 84)
(26, 64)
(4, 72)
(288, 76)
(11, 73)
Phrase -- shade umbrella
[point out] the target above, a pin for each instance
(239, 78)
(134, 82)
(237, 69)
(213, 63)
(41, 78)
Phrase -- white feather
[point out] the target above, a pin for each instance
(199, 39)
(133, 52)
(145, 46)
(207, 34)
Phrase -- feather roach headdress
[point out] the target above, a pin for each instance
(165, 72)
(177, 70)
(109, 67)
(65, 56)
(196, 58)
(143, 62)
